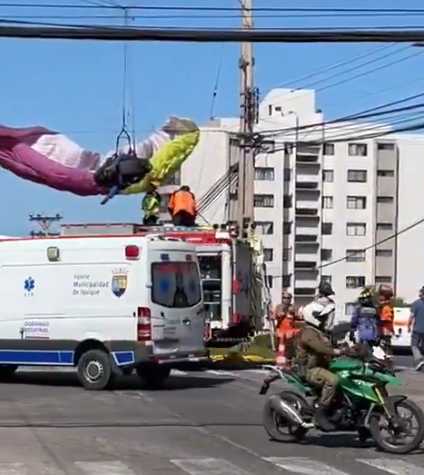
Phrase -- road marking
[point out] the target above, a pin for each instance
(13, 469)
(395, 466)
(103, 468)
(303, 465)
(208, 466)
(221, 372)
(178, 372)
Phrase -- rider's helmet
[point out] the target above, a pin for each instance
(365, 297)
(319, 315)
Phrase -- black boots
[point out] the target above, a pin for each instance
(321, 419)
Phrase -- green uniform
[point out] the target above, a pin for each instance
(151, 207)
(313, 354)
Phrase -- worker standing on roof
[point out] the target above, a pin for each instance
(151, 207)
(182, 207)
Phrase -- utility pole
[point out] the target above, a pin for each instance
(248, 117)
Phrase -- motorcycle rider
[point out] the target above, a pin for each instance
(314, 351)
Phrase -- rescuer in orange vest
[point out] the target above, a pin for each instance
(286, 330)
(182, 207)
(386, 316)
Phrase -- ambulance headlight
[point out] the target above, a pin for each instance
(53, 254)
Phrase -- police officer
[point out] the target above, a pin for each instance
(314, 352)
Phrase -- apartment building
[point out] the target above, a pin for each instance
(319, 204)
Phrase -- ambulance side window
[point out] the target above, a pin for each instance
(175, 284)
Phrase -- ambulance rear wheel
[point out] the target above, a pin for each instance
(153, 376)
(95, 370)
(7, 370)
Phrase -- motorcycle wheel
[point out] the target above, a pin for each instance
(277, 426)
(400, 441)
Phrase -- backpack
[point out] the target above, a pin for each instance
(367, 324)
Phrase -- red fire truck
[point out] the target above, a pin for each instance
(234, 291)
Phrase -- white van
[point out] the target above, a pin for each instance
(103, 304)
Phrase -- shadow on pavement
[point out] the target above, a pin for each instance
(66, 379)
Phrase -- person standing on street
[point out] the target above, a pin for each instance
(285, 327)
(416, 325)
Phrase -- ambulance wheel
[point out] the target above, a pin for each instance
(153, 376)
(7, 370)
(95, 370)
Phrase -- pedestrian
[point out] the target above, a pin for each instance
(386, 315)
(182, 207)
(416, 326)
(365, 322)
(151, 207)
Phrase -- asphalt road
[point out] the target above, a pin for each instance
(201, 423)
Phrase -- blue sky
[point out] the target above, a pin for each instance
(76, 88)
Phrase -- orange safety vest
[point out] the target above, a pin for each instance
(182, 201)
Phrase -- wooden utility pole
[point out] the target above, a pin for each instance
(248, 114)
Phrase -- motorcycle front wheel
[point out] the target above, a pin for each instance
(277, 426)
(403, 439)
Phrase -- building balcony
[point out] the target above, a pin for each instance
(305, 264)
(307, 158)
(307, 213)
(307, 204)
(304, 291)
(308, 186)
(310, 231)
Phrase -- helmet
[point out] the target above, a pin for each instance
(325, 289)
(385, 291)
(319, 315)
(286, 295)
(365, 297)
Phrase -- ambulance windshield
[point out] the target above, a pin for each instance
(175, 284)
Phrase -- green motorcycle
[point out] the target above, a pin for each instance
(362, 405)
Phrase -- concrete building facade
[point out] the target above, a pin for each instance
(318, 199)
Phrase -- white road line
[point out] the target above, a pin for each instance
(208, 466)
(177, 372)
(103, 468)
(13, 469)
(395, 466)
(304, 465)
(220, 372)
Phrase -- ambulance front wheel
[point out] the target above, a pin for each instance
(95, 370)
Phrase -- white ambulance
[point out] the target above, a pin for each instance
(105, 304)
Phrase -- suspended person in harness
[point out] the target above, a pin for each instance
(182, 207)
(151, 207)
(365, 321)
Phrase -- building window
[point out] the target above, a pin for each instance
(270, 109)
(327, 228)
(287, 201)
(384, 226)
(384, 252)
(264, 227)
(286, 281)
(357, 176)
(350, 308)
(355, 281)
(328, 176)
(268, 254)
(356, 202)
(263, 201)
(329, 149)
(287, 174)
(358, 149)
(356, 229)
(384, 199)
(385, 146)
(327, 202)
(287, 228)
(326, 254)
(270, 281)
(326, 278)
(264, 173)
(286, 254)
(386, 173)
(383, 279)
(278, 108)
(355, 255)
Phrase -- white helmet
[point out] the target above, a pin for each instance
(320, 315)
